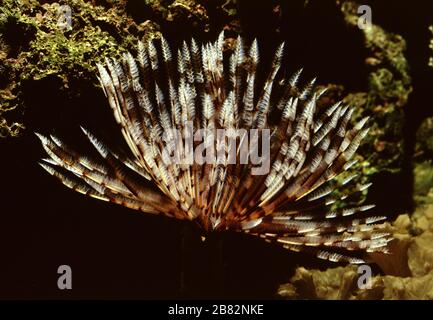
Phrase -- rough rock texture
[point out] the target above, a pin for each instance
(37, 42)
(389, 87)
(409, 271)
(423, 163)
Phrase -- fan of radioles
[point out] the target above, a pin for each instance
(289, 195)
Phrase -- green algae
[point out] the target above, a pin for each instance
(41, 47)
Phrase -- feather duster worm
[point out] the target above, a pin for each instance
(159, 100)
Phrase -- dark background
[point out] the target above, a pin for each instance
(118, 253)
